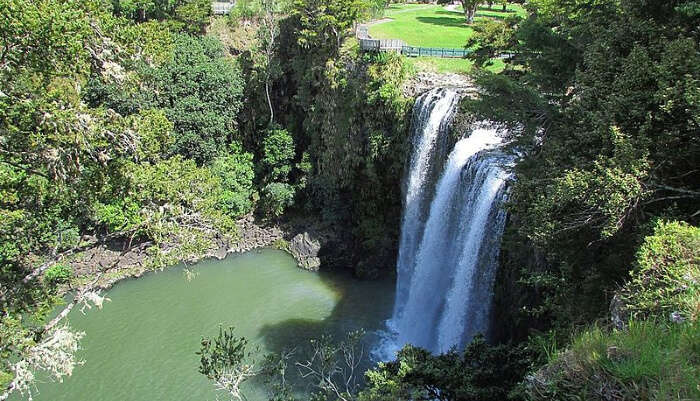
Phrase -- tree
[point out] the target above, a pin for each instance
(278, 155)
(491, 39)
(201, 92)
(334, 367)
(227, 362)
(469, 7)
(327, 22)
(195, 14)
(235, 170)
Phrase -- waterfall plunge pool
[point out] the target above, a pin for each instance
(142, 345)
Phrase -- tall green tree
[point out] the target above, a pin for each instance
(200, 90)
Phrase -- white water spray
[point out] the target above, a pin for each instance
(448, 251)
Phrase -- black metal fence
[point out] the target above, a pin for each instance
(415, 51)
(396, 45)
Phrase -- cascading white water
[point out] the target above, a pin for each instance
(482, 218)
(431, 116)
(450, 240)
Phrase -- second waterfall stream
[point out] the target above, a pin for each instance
(451, 231)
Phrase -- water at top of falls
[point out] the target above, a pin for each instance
(450, 235)
(431, 116)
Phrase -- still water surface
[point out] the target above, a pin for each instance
(142, 345)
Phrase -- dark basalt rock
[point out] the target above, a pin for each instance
(305, 249)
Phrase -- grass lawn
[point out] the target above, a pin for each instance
(455, 65)
(431, 25)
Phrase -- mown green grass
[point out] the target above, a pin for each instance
(454, 65)
(431, 26)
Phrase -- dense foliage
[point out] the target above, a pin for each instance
(480, 373)
(109, 130)
(603, 96)
(665, 282)
(200, 90)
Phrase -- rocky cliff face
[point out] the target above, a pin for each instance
(425, 81)
(509, 322)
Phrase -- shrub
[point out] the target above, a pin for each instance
(667, 277)
(278, 147)
(235, 170)
(58, 274)
(481, 373)
(276, 198)
(119, 215)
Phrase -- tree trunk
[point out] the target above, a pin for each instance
(469, 13)
(269, 100)
(469, 7)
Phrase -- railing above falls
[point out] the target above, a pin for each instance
(367, 43)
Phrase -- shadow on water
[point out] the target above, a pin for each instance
(365, 305)
(361, 305)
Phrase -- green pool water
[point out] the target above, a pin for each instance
(142, 345)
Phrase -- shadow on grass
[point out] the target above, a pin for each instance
(482, 12)
(444, 21)
(495, 10)
(492, 16)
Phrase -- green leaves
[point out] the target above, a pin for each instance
(235, 171)
(58, 274)
(195, 14)
(481, 373)
(278, 155)
(223, 352)
(492, 38)
(666, 277)
(201, 92)
(276, 197)
(323, 24)
(45, 37)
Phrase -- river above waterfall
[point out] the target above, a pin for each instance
(142, 344)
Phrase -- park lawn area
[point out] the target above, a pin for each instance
(427, 26)
(432, 25)
(454, 65)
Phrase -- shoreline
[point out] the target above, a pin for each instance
(101, 267)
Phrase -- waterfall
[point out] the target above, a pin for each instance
(432, 114)
(451, 232)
